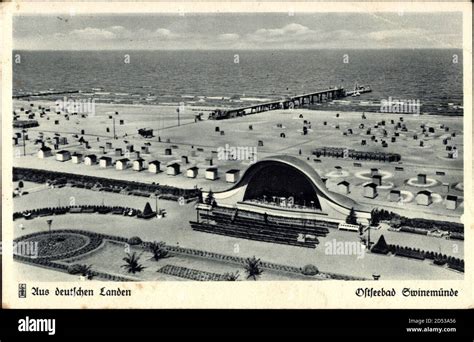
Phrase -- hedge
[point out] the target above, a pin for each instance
(105, 184)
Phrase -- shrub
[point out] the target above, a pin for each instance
(310, 270)
(253, 268)
(159, 250)
(84, 270)
(42, 176)
(351, 218)
(132, 263)
(231, 276)
(134, 240)
(381, 246)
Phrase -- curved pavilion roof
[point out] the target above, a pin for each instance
(309, 172)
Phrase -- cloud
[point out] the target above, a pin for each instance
(242, 31)
(119, 33)
(161, 32)
(342, 34)
(229, 36)
(396, 34)
(90, 33)
(265, 34)
(415, 37)
(287, 30)
(289, 33)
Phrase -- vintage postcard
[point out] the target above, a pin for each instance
(237, 155)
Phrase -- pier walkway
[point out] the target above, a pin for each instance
(288, 103)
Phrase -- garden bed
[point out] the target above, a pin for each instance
(108, 260)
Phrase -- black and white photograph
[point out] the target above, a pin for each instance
(289, 145)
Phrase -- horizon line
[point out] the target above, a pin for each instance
(244, 49)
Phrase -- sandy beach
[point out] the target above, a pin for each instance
(199, 142)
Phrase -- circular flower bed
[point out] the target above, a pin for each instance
(60, 244)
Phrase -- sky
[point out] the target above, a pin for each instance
(238, 31)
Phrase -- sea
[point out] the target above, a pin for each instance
(222, 79)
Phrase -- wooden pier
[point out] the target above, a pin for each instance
(288, 103)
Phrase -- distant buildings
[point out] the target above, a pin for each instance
(370, 190)
(90, 159)
(343, 187)
(63, 155)
(232, 176)
(25, 123)
(451, 202)
(44, 152)
(134, 155)
(76, 158)
(122, 164)
(424, 198)
(138, 164)
(173, 169)
(339, 152)
(105, 162)
(421, 178)
(211, 173)
(374, 171)
(60, 140)
(154, 166)
(192, 172)
(377, 180)
(394, 196)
